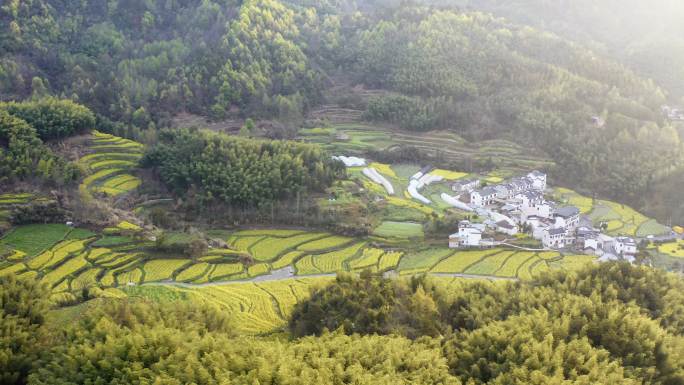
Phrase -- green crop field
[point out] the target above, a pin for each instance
(55, 255)
(356, 139)
(391, 229)
(33, 239)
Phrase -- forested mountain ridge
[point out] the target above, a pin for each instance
(647, 36)
(435, 67)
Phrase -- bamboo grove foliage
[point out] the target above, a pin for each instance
(239, 171)
(53, 118)
(23, 306)
(612, 324)
(24, 155)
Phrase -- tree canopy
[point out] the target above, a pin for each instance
(240, 171)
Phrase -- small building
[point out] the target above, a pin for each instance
(530, 198)
(554, 237)
(465, 185)
(506, 228)
(538, 180)
(534, 209)
(482, 197)
(468, 235)
(520, 185)
(605, 242)
(567, 216)
(625, 246)
(503, 191)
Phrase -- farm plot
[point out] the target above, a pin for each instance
(570, 197)
(623, 220)
(225, 269)
(369, 258)
(461, 260)
(673, 249)
(287, 259)
(68, 268)
(55, 255)
(423, 260)
(389, 260)
(260, 307)
(328, 262)
(327, 243)
(8, 202)
(163, 269)
(86, 279)
(573, 262)
(252, 309)
(33, 239)
(406, 230)
(514, 263)
(194, 272)
(490, 264)
(270, 248)
(111, 161)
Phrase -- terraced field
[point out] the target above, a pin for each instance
(111, 162)
(257, 307)
(357, 139)
(508, 263)
(9, 201)
(71, 260)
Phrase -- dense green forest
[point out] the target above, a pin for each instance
(437, 67)
(613, 324)
(239, 171)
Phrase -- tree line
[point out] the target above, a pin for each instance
(212, 167)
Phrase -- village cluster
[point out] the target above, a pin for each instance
(508, 208)
(519, 203)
